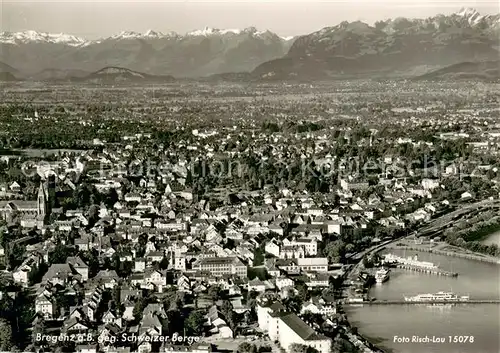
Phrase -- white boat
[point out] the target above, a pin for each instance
(437, 297)
(409, 261)
(382, 275)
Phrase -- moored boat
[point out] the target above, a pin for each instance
(382, 275)
(437, 297)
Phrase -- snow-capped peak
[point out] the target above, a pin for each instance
(34, 36)
(126, 35)
(467, 12)
(209, 31)
(41, 37)
(149, 34)
(471, 15)
(153, 34)
(256, 33)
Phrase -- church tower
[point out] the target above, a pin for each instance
(42, 201)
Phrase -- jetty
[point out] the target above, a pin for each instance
(413, 264)
(431, 271)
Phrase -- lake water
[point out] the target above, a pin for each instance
(492, 239)
(477, 279)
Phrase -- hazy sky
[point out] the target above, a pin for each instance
(94, 19)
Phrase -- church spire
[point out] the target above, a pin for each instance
(42, 200)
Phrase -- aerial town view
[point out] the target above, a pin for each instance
(331, 189)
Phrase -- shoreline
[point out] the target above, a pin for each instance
(495, 233)
(482, 237)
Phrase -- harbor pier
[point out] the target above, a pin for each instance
(432, 271)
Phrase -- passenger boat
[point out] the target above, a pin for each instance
(437, 297)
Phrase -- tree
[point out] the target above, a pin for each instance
(259, 258)
(15, 255)
(81, 196)
(335, 283)
(163, 263)
(125, 269)
(93, 214)
(168, 300)
(367, 262)
(38, 328)
(301, 348)
(250, 316)
(117, 300)
(60, 254)
(35, 276)
(139, 308)
(229, 314)
(115, 261)
(62, 301)
(214, 293)
(230, 244)
(6, 343)
(194, 322)
(292, 303)
(176, 321)
(342, 345)
(226, 307)
(246, 347)
(303, 293)
(111, 198)
(91, 258)
(6, 306)
(251, 298)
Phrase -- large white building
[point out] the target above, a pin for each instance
(272, 247)
(45, 305)
(310, 245)
(294, 248)
(22, 273)
(287, 328)
(306, 264)
(219, 266)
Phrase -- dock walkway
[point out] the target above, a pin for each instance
(432, 271)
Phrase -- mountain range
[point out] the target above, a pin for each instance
(392, 47)
(398, 47)
(198, 53)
